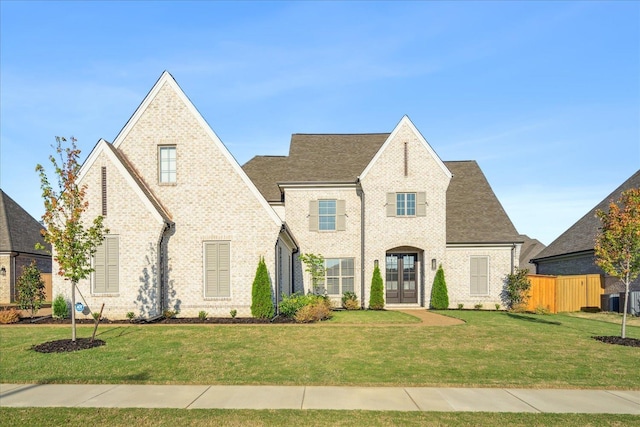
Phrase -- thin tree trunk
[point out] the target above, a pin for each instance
(626, 306)
(73, 311)
(93, 336)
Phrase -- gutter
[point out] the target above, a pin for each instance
(360, 193)
(163, 291)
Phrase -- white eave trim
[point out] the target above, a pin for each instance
(100, 148)
(316, 184)
(483, 245)
(167, 78)
(405, 120)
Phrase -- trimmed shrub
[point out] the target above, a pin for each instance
(376, 301)
(59, 308)
(9, 316)
(290, 305)
(439, 293)
(315, 312)
(516, 290)
(261, 301)
(350, 301)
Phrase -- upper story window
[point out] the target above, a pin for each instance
(167, 164)
(405, 204)
(326, 215)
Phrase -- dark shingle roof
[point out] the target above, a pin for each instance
(474, 214)
(337, 158)
(530, 249)
(581, 236)
(266, 172)
(315, 158)
(19, 231)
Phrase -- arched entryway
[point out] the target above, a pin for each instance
(402, 275)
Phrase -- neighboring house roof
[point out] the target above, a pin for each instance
(581, 236)
(19, 231)
(474, 214)
(530, 249)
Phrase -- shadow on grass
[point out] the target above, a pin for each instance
(140, 376)
(123, 330)
(533, 319)
(135, 378)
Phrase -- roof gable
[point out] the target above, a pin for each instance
(405, 121)
(137, 185)
(19, 231)
(166, 80)
(581, 236)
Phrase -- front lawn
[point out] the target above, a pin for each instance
(221, 417)
(372, 317)
(492, 349)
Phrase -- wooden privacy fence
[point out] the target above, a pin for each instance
(565, 293)
(46, 278)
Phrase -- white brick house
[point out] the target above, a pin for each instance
(188, 224)
(362, 199)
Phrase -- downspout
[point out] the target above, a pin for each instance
(161, 268)
(12, 279)
(276, 285)
(360, 193)
(513, 258)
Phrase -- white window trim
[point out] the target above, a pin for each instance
(415, 198)
(160, 148)
(341, 276)
(335, 216)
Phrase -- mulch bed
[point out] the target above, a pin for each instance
(171, 321)
(64, 346)
(630, 342)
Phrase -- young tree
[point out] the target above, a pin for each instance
(30, 286)
(261, 302)
(516, 290)
(439, 293)
(376, 300)
(315, 267)
(617, 247)
(73, 240)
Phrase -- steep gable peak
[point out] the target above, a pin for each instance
(405, 121)
(166, 80)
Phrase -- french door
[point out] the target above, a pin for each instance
(401, 275)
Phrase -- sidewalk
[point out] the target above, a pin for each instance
(321, 397)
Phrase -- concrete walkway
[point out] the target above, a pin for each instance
(320, 397)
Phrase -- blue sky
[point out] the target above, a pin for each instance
(544, 95)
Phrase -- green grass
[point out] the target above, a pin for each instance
(372, 317)
(219, 417)
(492, 349)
